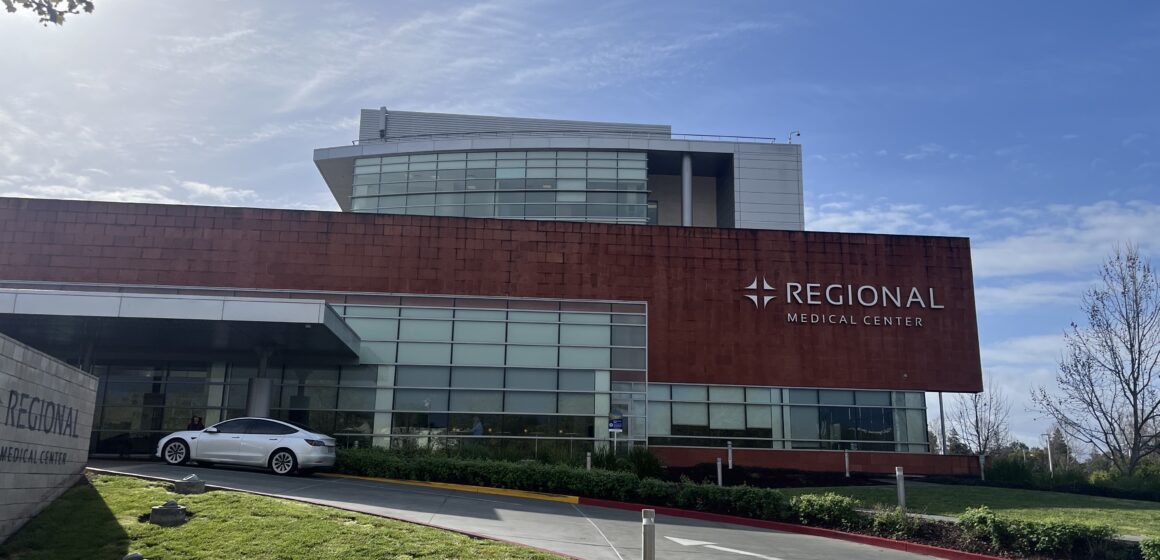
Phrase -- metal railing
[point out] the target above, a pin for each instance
(603, 133)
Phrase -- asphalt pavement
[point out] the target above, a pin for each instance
(588, 532)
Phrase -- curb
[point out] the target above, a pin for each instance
(352, 510)
(465, 488)
(880, 542)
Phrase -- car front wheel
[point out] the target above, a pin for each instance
(283, 461)
(175, 452)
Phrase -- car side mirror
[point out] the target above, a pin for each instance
(210, 430)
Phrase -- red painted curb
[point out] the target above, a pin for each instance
(881, 542)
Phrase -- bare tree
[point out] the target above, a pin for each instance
(981, 419)
(1108, 396)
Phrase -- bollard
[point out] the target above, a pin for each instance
(982, 468)
(719, 472)
(729, 445)
(847, 454)
(648, 533)
(898, 479)
(588, 461)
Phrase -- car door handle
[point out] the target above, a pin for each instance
(273, 439)
(236, 437)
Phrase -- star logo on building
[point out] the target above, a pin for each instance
(762, 293)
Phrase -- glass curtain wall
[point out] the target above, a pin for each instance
(514, 376)
(535, 185)
(783, 418)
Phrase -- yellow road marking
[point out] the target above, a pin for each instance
(467, 488)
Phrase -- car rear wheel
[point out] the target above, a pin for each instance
(283, 462)
(175, 452)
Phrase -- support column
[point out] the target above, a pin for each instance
(686, 190)
(261, 388)
(942, 426)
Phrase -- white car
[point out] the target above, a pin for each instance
(280, 446)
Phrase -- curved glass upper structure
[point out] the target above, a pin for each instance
(574, 185)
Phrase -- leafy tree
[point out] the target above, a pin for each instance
(955, 445)
(50, 11)
(981, 419)
(1108, 393)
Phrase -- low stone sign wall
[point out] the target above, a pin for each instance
(46, 416)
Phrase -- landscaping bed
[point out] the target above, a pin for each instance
(981, 531)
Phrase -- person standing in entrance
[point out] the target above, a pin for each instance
(195, 423)
(477, 427)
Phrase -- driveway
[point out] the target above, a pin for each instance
(575, 530)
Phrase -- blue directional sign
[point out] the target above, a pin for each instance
(616, 424)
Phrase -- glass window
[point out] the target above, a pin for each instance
(478, 331)
(916, 426)
(448, 210)
(511, 155)
(480, 184)
(758, 416)
(509, 210)
(803, 422)
(421, 399)
(726, 417)
(417, 376)
(480, 169)
(477, 401)
(587, 318)
(424, 353)
(873, 398)
(360, 375)
(690, 393)
(531, 379)
(424, 330)
(350, 398)
(659, 392)
(540, 197)
(514, 197)
(915, 400)
(532, 333)
(541, 173)
(757, 394)
(542, 185)
(571, 196)
(423, 157)
(628, 336)
(659, 419)
(571, 184)
(452, 156)
(510, 173)
(426, 313)
(573, 403)
(543, 356)
(377, 352)
(533, 316)
(719, 393)
(803, 396)
(571, 172)
(480, 155)
(497, 314)
(479, 198)
(687, 414)
(830, 396)
(585, 357)
(533, 402)
(484, 378)
(577, 380)
(587, 335)
(479, 211)
(571, 210)
(231, 427)
(628, 358)
(601, 173)
(632, 174)
(478, 354)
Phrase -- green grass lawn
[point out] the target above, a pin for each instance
(1127, 517)
(100, 520)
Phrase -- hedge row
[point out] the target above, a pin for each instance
(981, 528)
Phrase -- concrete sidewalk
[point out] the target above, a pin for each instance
(575, 530)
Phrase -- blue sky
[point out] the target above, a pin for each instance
(1032, 127)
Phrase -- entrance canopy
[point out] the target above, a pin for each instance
(76, 325)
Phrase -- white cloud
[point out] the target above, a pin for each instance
(1005, 299)
(218, 193)
(924, 151)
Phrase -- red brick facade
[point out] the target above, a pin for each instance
(701, 327)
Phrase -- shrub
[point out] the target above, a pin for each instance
(1150, 549)
(644, 464)
(1054, 539)
(894, 524)
(1009, 470)
(826, 510)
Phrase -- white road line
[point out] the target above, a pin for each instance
(742, 552)
(707, 544)
(602, 535)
